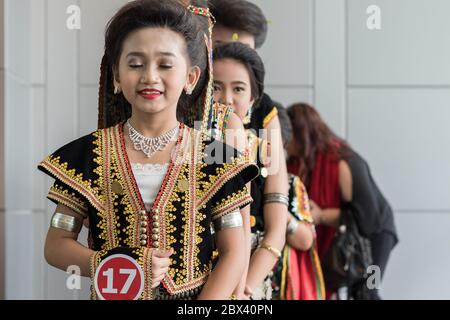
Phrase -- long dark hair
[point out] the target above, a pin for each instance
(286, 126)
(312, 135)
(138, 14)
(251, 61)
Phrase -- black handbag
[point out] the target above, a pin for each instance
(346, 262)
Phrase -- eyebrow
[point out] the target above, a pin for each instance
(234, 82)
(160, 53)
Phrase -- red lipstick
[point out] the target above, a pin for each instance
(150, 94)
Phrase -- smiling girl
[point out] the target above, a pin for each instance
(144, 180)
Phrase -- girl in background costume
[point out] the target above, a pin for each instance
(149, 185)
(225, 125)
(243, 21)
(239, 85)
(298, 276)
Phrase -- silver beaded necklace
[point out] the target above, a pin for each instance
(149, 146)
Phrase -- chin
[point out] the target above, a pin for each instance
(150, 108)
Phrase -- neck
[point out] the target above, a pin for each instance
(153, 125)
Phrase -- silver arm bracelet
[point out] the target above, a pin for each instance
(66, 223)
(228, 221)
(276, 198)
(292, 226)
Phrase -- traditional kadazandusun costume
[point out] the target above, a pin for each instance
(206, 180)
(298, 276)
(258, 146)
(94, 178)
(255, 124)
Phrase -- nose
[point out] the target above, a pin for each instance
(150, 75)
(226, 98)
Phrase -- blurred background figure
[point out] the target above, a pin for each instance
(298, 274)
(338, 181)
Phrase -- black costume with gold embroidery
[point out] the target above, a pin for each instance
(261, 118)
(94, 178)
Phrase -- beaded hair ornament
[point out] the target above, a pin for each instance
(204, 108)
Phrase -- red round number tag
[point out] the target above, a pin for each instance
(119, 277)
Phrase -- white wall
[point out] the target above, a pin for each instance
(387, 91)
(2, 166)
(398, 112)
(18, 166)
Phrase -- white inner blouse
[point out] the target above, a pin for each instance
(149, 178)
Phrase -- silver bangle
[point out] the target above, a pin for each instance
(228, 221)
(276, 198)
(66, 222)
(292, 226)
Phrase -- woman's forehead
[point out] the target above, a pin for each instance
(230, 69)
(150, 41)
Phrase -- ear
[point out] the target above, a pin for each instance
(115, 71)
(193, 76)
(252, 102)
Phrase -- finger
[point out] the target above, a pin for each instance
(159, 276)
(165, 263)
(157, 280)
(160, 272)
(248, 291)
(163, 253)
(155, 284)
(156, 263)
(161, 262)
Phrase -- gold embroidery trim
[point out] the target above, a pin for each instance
(186, 165)
(230, 173)
(270, 117)
(64, 197)
(301, 194)
(70, 178)
(231, 203)
(106, 183)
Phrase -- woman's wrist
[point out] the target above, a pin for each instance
(274, 251)
(320, 219)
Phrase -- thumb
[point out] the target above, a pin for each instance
(164, 253)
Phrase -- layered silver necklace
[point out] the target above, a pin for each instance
(149, 146)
